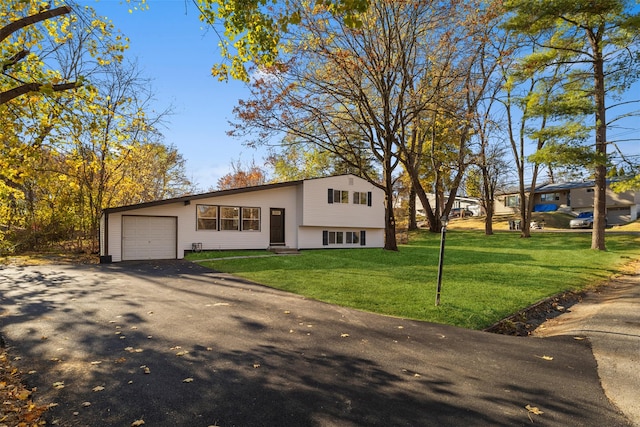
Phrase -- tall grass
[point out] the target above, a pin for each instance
(485, 278)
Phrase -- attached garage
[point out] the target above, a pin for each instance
(618, 215)
(149, 237)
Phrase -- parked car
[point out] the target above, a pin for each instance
(583, 220)
(460, 213)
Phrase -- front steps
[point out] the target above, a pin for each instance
(283, 250)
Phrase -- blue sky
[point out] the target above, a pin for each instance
(176, 51)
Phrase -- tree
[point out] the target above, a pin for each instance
(18, 62)
(254, 29)
(115, 147)
(437, 148)
(485, 178)
(339, 91)
(298, 161)
(600, 42)
(241, 177)
(66, 155)
(544, 109)
(360, 93)
(45, 52)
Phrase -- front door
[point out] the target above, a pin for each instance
(277, 227)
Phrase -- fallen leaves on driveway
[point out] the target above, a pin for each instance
(545, 357)
(17, 407)
(533, 410)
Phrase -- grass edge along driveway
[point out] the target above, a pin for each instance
(485, 278)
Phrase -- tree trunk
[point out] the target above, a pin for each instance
(390, 243)
(600, 192)
(487, 200)
(413, 223)
(488, 219)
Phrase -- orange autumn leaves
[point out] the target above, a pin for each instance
(18, 409)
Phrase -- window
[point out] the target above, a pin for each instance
(250, 219)
(336, 238)
(207, 216)
(338, 196)
(229, 218)
(361, 198)
(341, 238)
(549, 197)
(512, 201)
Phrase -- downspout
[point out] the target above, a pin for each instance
(105, 258)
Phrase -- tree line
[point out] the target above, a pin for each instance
(433, 97)
(446, 95)
(77, 129)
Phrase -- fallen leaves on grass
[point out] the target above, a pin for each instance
(17, 407)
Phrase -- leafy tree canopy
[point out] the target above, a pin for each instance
(253, 29)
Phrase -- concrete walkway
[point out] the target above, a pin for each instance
(610, 319)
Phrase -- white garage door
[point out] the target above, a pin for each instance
(148, 237)
(618, 215)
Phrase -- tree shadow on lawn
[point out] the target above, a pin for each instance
(249, 363)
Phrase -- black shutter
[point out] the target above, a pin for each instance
(325, 238)
(369, 198)
(363, 238)
(330, 195)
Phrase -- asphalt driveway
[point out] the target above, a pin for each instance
(175, 344)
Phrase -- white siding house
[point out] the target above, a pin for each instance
(339, 211)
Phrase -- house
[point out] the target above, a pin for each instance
(468, 203)
(574, 197)
(333, 212)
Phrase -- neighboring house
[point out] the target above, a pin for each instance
(574, 197)
(470, 203)
(334, 212)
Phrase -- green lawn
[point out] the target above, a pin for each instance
(485, 278)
